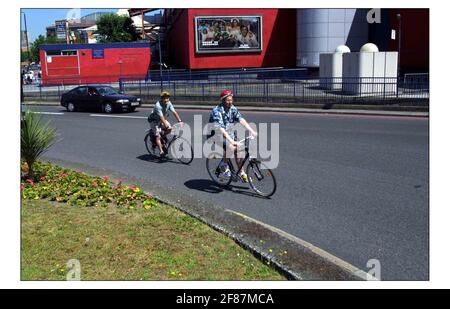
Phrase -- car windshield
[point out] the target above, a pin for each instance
(107, 90)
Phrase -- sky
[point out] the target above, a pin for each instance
(39, 19)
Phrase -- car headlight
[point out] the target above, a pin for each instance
(122, 101)
(139, 100)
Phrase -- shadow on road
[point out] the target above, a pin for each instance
(209, 186)
(150, 158)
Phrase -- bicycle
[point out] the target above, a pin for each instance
(177, 146)
(261, 179)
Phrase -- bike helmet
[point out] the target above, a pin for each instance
(226, 93)
(165, 94)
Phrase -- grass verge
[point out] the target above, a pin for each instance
(127, 243)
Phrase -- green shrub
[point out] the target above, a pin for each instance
(36, 137)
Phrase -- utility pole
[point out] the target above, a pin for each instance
(399, 46)
(143, 28)
(160, 60)
(399, 42)
(120, 74)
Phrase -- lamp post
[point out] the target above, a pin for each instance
(399, 48)
(160, 61)
(120, 74)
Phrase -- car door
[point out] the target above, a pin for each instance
(94, 99)
(80, 98)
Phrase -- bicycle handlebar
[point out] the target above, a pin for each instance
(245, 139)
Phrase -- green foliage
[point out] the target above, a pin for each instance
(116, 28)
(75, 188)
(41, 40)
(36, 137)
(24, 56)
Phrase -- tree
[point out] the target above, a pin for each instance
(116, 28)
(41, 40)
(36, 137)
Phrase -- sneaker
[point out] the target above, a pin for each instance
(244, 177)
(225, 170)
(227, 173)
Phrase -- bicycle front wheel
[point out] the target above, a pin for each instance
(181, 149)
(261, 179)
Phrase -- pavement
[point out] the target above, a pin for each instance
(407, 111)
(352, 188)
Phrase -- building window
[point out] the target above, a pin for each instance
(69, 53)
(53, 53)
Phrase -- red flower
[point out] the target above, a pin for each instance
(30, 180)
(94, 184)
(22, 187)
(105, 178)
(43, 178)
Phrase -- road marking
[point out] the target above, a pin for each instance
(111, 116)
(47, 113)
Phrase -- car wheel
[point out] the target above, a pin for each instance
(107, 108)
(70, 107)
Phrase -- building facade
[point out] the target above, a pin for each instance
(270, 42)
(64, 64)
(293, 37)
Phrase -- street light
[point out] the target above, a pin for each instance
(160, 61)
(399, 19)
(120, 74)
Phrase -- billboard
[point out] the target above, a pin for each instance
(228, 34)
(60, 26)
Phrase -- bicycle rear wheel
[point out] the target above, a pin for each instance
(151, 148)
(181, 149)
(212, 166)
(261, 178)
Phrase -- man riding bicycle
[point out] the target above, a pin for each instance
(158, 118)
(224, 116)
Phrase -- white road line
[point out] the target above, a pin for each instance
(48, 113)
(111, 116)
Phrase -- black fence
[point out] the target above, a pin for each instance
(411, 89)
(227, 74)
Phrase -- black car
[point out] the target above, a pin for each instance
(98, 97)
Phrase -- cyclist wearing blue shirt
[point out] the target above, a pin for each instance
(158, 118)
(223, 116)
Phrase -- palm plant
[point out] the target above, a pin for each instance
(36, 137)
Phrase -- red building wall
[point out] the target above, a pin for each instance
(279, 40)
(415, 37)
(84, 68)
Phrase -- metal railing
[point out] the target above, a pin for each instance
(408, 90)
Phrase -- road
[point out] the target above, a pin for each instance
(354, 186)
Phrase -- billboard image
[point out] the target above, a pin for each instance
(218, 34)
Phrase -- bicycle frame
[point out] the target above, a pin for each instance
(244, 160)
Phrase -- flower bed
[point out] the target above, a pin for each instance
(76, 188)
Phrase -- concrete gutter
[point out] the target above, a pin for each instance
(290, 255)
